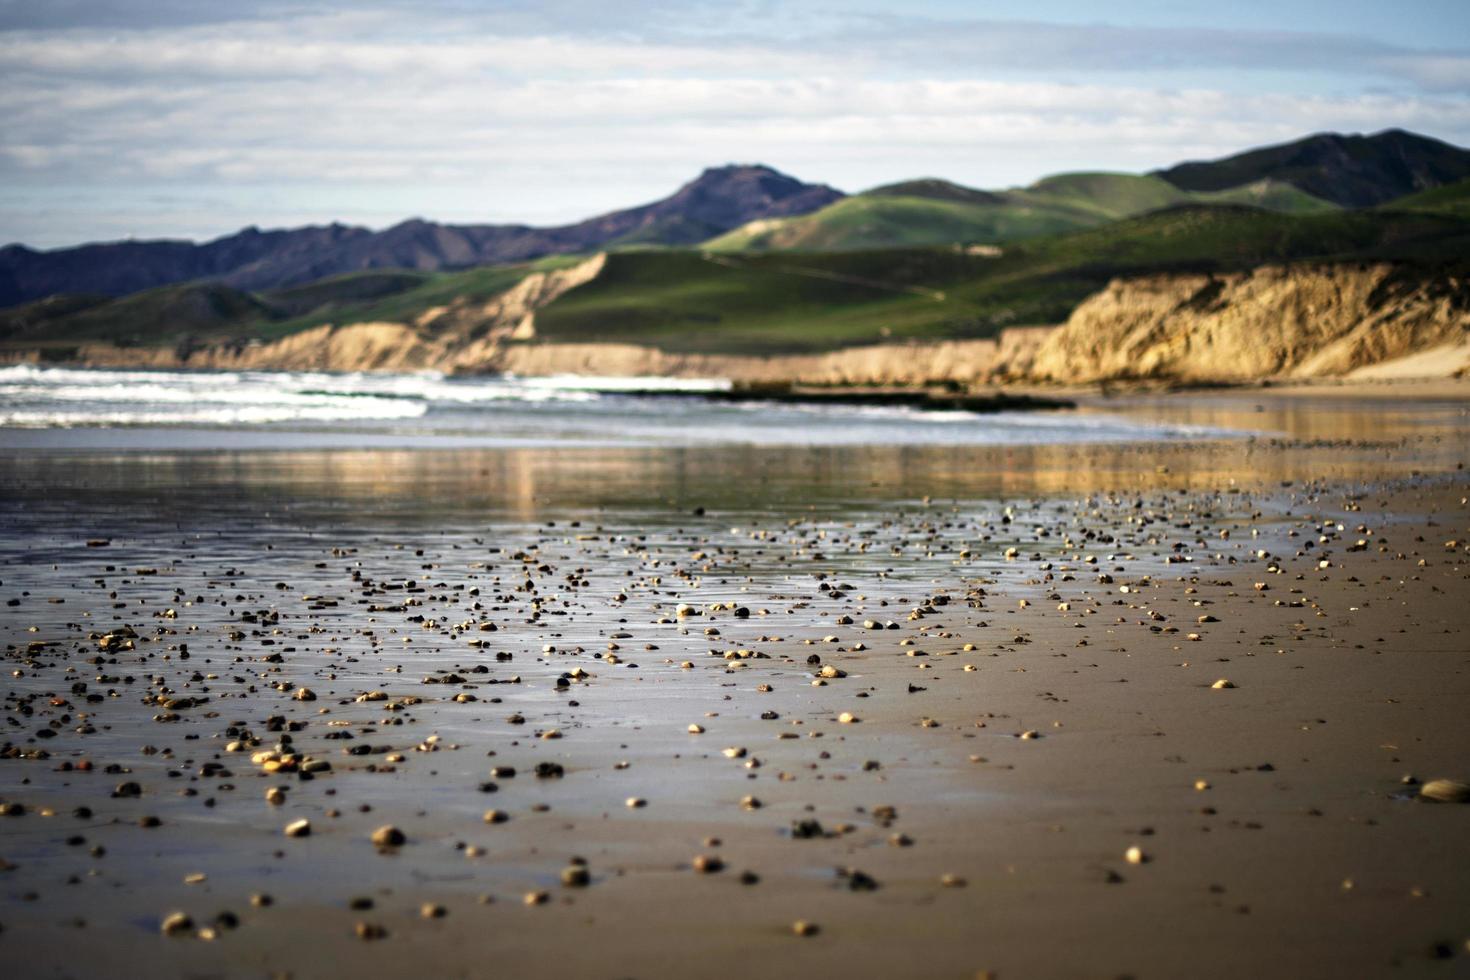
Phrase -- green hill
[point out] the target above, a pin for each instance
(936, 212)
(1451, 199)
(338, 292)
(421, 292)
(1351, 170)
(785, 301)
(884, 221)
(36, 319)
(780, 302)
(936, 189)
(158, 316)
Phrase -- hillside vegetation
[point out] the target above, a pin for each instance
(706, 301)
(937, 212)
(1453, 199)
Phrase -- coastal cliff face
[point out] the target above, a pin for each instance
(1274, 322)
(1280, 322)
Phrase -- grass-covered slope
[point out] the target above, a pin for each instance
(1452, 199)
(788, 301)
(205, 312)
(154, 317)
(1350, 170)
(885, 221)
(936, 212)
(762, 303)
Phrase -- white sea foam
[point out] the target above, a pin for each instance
(545, 410)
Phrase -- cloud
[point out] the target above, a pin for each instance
(500, 114)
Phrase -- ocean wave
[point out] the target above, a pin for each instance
(551, 409)
(222, 415)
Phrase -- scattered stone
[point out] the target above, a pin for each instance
(389, 836)
(1445, 791)
(176, 924)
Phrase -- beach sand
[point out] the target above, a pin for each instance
(1149, 711)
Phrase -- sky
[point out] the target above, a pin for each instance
(194, 118)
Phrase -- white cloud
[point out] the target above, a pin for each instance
(460, 124)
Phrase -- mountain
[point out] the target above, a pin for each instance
(118, 268)
(750, 208)
(1353, 171)
(695, 301)
(719, 199)
(937, 212)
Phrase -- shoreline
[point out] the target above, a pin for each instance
(1045, 701)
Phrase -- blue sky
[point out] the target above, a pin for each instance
(192, 118)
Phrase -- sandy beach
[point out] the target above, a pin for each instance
(1138, 709)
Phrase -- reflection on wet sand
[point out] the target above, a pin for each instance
(731, 690)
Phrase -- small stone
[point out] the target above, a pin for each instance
(1135, 855)
(696, 729)
(304, 694)
(389, 836)
(847, 718)
(368, 931)
(1445, 791)
(804, 928)
(299, 828)
(707, 864)
(1223, 684)
(636, 803)
(536, 898)
(496, 816)
(950, 880)
(576, 876)
(432, 910)
(176, 923)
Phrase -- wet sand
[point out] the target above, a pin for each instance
(1026, 646)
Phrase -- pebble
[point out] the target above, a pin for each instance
(707, 864)
(298, 828)
(389, 836)
(176, 923)
(1445, 791)
(804, 928)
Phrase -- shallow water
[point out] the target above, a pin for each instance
(98, 409)
(381, 560)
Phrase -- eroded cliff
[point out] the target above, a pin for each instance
(1366, 321)
(1274, 322)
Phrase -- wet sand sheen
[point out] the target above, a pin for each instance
(977, 810)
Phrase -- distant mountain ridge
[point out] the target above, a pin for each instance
(757, 208)
(718, 200)
(1352, 171)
